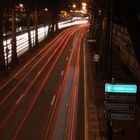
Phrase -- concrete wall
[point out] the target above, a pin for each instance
(124, 47)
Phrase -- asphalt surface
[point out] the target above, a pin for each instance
(40, 92)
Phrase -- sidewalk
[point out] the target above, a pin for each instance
(130, 129)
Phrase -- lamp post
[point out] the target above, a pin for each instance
(46, 9)
(74, 6)
(21, 6)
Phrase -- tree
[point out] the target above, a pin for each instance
(28, 11)
(54, 9)
(36, 23)
(13, 41)
(2, 60)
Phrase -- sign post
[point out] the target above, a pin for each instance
(120, 100)
(120, 88)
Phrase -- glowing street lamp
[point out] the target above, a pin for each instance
(74, 6)
(46, 9)
(21, 5)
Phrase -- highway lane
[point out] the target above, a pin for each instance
(32, 63)
(28, 97)
(62, 123)
(20, 83)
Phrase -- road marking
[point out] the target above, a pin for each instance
(53, 99)
(62, 72)
(19, 99)
(85, 95)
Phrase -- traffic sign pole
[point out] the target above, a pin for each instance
(109, 129)
(120, 103)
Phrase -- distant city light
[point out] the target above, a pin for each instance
(84, 7)
(84, 4)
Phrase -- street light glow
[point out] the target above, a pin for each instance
(21, 5)
(74, 6)
(84, 4)
(46, 9)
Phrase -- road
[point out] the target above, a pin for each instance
(40, 101)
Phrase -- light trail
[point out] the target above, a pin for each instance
(13, 108)
(72, 112)
(23, 78)
(30, 61)
(50, 133)
(71, 117)
(65, 97)
(22, 40)
(50, 127)
(39, 91)
(35, 96)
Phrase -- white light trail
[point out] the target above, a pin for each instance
(22, 39)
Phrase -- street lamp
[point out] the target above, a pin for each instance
(74, 6)
(46, 9)
(21, 5)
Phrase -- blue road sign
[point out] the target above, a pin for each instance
(120, 88)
